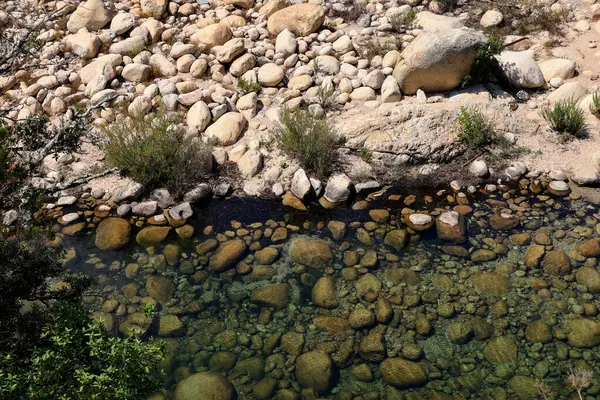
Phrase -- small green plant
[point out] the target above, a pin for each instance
(148, 308)
(595, 105)
(473, 129)
(247, 86)
(308, 139)
(155, 150)
(366, 154)
(482, 66)
(566, 118)
(401, 22)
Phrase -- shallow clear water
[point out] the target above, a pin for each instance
(482, 319)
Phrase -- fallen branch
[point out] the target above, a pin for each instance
(473, 159)
(82, 179)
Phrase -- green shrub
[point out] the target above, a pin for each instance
(482, 66)
(473, 129)
(78, 359)
(566, 118)
(366, 154)
(308, 139)
(50, 347)
(403, 21)
(156, 151)
(247, 86)
(595, 105)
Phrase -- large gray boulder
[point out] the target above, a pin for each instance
(520, 69)
(437, 61)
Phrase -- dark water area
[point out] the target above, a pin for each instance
(366, 304)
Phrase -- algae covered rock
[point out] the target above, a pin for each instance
(538, 332)
(170, 325)
(315, 370)
(398, 239)
(556, 263)
(590, 278)
(491, 284)
(402, 373)
(203, 386)
(159, 288)
(112, 233)
(500, 350)
(585, 333)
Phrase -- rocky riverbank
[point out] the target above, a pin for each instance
(392, 108)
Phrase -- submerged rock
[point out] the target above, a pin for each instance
(450, 226)
(151, 235)
(315, 370)
(402, 373)
(112, 233)
(276, 296)
(500, 350)
(227, 255)
(323, 293)
(203, 386)
(313, 253)
(585, 333)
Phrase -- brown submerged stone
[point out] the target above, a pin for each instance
(227, 255)
(589, 248)
(323, 293)
(151, 235)
(112, 233)
(504, 222)
(204, 385)
(315, 370)
(556, 263)
(590, 278)
(276, 295)
(314, 253)
(491, 284)
(398, 239)
(402, 373)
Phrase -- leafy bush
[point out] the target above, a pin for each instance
(366, 154)
(478, 135)
(566, 118)
(403, 21)
(308, 139)
(482, 66)
(32, 136)
(473, 129)
(50, 347)
(79, 360)
(595, 105)
(156, 151)
(247, 86)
